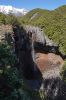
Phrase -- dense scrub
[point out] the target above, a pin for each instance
(53, 24)
(12, 84)
(8, 19)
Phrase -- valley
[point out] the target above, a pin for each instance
(33, 55)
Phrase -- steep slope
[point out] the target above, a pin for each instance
(53, 24)
(62, 10)
(34, 15)
(48, 64)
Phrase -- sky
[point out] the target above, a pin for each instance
(31, 4)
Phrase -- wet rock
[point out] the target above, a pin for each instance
(24, 50)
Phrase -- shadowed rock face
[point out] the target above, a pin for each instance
(39, 36)
(41, 42)
(30, 63)
(38, 65)
(25, 53)
(27, 48)
(55, 89)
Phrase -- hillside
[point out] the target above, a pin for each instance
(53, 24)
(22, 78)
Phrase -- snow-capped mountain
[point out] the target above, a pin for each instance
(9, 9)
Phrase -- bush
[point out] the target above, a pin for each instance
(8, 19)
(7, 58)
(12, 85)
(11, 19)
(2, 18)
(53, 24)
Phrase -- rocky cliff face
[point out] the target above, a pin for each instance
(41, 42)
(28, 42)
(35, 62)
(5, 30)
(39, 35)
(30, 61)
(32, 41)
(24, 50)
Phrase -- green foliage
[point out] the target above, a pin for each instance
(12, 85)
(8, 19)
(53, 24)
(9, 78)
(2, 18)
(7, 58)
(11, 19)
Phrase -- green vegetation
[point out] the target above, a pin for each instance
(53, 24)
(2, 18)
(8, 19)
(12, 85)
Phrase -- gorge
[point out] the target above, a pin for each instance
(32, 54)
(39, 66)
(37, 60)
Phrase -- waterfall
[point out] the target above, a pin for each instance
(33, 54)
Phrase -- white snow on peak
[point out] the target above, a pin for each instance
(10, 9)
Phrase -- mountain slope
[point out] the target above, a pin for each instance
(52, 22)
(62, 10)
(34, 14)
(13, 10)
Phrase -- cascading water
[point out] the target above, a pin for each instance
(33, 54)
(24, 50)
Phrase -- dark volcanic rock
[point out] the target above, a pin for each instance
(25, 53)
